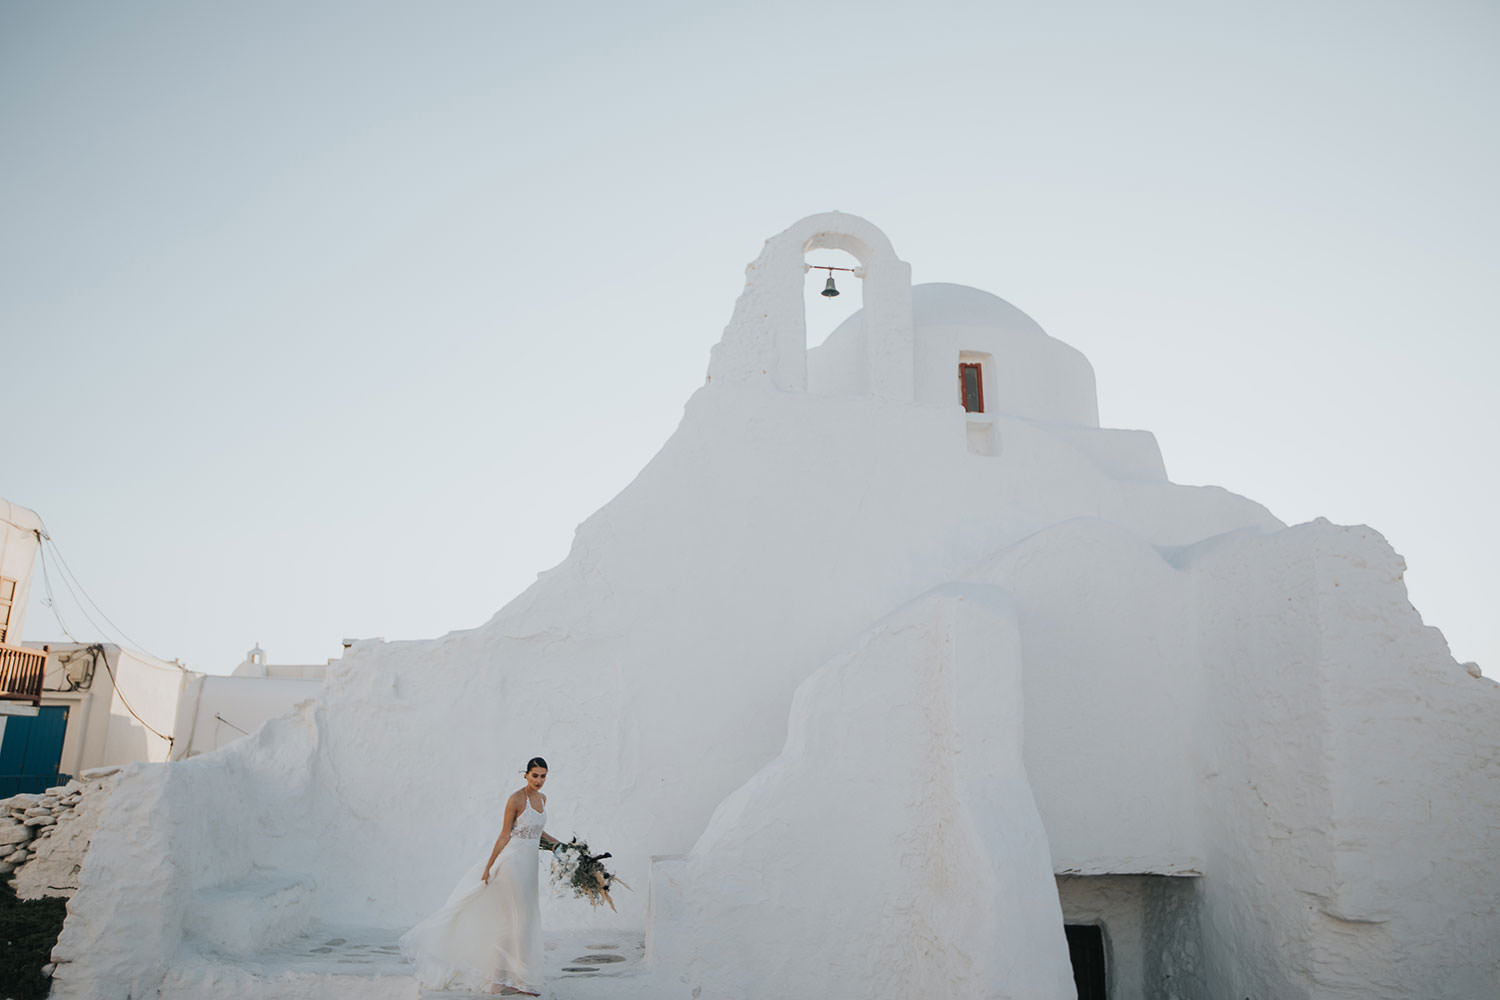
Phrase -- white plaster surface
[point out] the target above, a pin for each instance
(199, 712)
(228, 708)
(1204, 690)
(155, 691)
(362, 963)
(256, 664)
(1111, 678)
(1352, 801)
(893, 847)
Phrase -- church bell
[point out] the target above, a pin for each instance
(829, 290)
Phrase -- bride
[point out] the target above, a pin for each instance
(488, 934)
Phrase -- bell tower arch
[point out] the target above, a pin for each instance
(767, 335)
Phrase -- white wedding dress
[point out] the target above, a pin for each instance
(487, 936)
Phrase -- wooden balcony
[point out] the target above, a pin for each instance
(21, 673)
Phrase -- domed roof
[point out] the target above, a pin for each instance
(942, 304)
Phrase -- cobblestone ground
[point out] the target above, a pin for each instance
(367, 964)
(585, 966)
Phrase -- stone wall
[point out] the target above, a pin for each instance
(43, 837)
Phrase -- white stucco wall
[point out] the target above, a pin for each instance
(188, 706)
(892, 847)
(97, 683)
(152, 690)
(670, 625)
(1027, 374)
(256, 664)
(1112, 690)
(1353, 801)
(88, 728)
(1197, 684)
(231, 707)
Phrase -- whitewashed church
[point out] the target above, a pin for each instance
(892, 674)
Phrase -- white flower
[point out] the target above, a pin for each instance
(564, 863)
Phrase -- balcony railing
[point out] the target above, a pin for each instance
(21, 673)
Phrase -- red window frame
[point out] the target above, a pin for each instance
(963, 389)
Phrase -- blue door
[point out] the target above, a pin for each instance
(32, 750)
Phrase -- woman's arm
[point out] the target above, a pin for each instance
(511, 811)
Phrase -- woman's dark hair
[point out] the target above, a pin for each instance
(535, 762)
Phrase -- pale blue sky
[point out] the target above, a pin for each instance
(326, 320)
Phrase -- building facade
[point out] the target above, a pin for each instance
(892, 673)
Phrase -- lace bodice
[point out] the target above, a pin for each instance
(528, 825)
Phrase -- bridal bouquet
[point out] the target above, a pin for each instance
(573, 867)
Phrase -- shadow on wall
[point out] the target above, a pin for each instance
(126, 739)
(1134, 937)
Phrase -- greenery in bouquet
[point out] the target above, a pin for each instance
(574, 868)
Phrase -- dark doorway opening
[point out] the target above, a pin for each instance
(1086, 949)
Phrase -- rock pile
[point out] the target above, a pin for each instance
(43, 831)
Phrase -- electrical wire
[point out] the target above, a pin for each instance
(42, 538)
(47, 585)
(69, 571)
(121, 694)
(228, 723)
(63, 576)
(96, 653)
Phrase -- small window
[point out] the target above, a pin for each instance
(971, 386)
(7, 598)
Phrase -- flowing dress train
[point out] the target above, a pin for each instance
(487, 936)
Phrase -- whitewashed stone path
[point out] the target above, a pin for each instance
(586, 966)
(367, 964)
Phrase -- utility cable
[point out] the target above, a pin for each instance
(69, 570)
(63, 576)
(132, 711)
(228, 723)
(96, 653)
(47, 584)
(52, 603)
